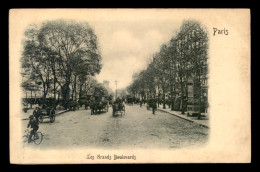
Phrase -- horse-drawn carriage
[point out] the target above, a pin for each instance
(45, 112)
(99, 105)
(118, 108)
(84, 100)
(72, 105)
(150, 103)
(130, 100)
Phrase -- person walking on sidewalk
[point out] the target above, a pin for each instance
(154, 106)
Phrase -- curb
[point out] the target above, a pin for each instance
(56, 114)
(62, 112)
(184, 118)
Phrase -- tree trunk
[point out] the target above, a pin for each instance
(173, 97)
(199, 85)
(54, 103)
(75, 87)
(44, 99)
(72, 94)
(80, 90)
(31, 100)
(34, 97)
(65, 94)
(54, 86)
(158, 100)
(164, 96)
(44, 95)
(58, 100)
(182, 97)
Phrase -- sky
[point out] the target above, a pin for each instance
(127, 46)
(127, 38)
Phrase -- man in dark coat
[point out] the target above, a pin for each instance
(37, 113)
(154, 106)
(34, 125)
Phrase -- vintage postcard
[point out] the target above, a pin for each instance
(131, 86)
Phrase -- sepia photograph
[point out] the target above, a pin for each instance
(129, 86)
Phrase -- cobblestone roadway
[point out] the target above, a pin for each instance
(139, 128)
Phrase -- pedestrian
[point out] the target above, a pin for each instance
(141, 103)
(36, 114)
(154, 106)
(86, 105)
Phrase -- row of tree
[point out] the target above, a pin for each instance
(183, 57)
(59, 56)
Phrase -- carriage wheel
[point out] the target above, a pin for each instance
(52, 118)
(40, 118)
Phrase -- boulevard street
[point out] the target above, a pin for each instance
(138, 128)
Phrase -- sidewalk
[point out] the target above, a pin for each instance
(204, 121)
(25, 116)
